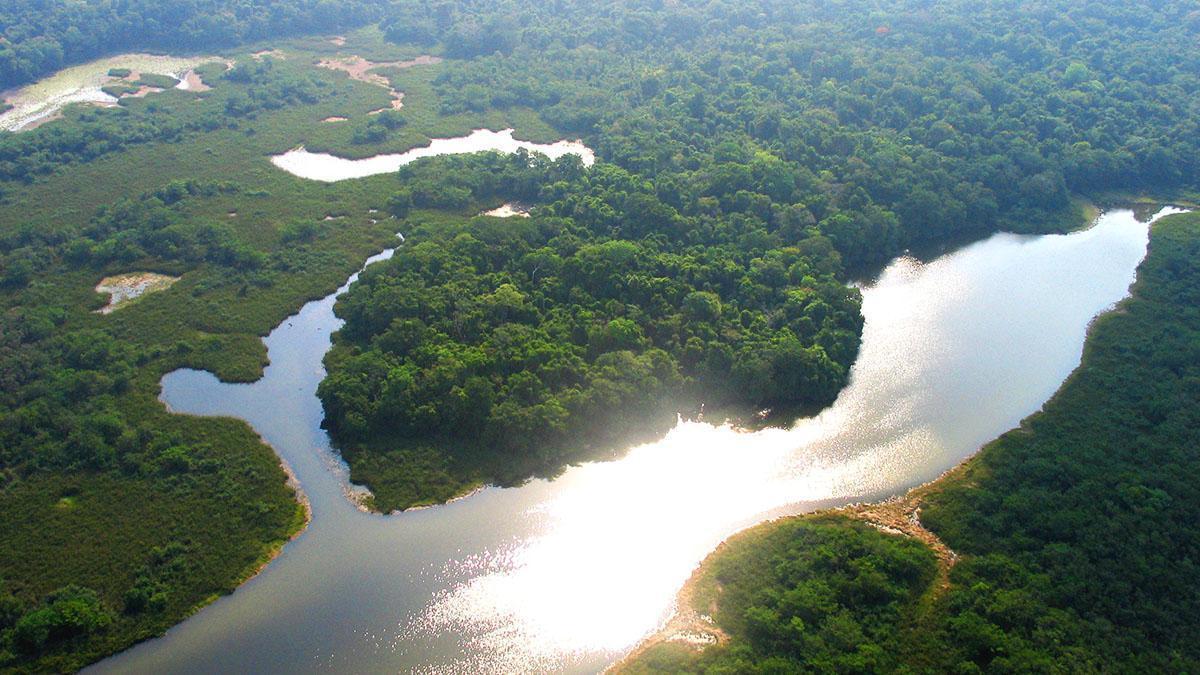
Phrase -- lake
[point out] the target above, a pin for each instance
(569, 574)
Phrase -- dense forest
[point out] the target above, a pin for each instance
(820, 594)
(1076, 533)
(757, 135)
(752, 157)
(606, 311)
(38, 37)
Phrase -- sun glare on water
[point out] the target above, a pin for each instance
(617, 538)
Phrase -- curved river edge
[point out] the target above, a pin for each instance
(327, 168)
(304, 509)
(224, 638)
(693, 625)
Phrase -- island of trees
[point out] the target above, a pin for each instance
(752, 158)
(742, 178)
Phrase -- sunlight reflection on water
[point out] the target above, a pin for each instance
(568, 574)
(616, 542)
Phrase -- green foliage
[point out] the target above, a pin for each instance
(258, 86)
(119, 89)
(607, 310)
(66, 613)
(914, 122)
(747, 152)
(39, 37)
(1078, 530)
(156, 81)
(1076, 533)
(95, 476)
(826, 595)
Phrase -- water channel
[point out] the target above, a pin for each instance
(567, 575)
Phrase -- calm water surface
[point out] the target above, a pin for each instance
(331, 168)
(566, 575)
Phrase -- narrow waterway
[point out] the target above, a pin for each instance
(567, 575)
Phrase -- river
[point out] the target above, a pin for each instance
(569, 574)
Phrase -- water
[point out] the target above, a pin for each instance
(331, 168)
(567, 575)
(39, 102)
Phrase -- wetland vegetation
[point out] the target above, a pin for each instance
(748, 155)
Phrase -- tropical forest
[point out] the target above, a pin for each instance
(671, 336)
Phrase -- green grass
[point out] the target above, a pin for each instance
(157, 81)
(100, 528)
(119, 89)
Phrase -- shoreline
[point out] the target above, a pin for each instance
(898, 514)
(301, 500)
(745, 420)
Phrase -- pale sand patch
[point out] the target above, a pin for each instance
(359, 69)
(129, 79)
(125, 288)
(509, 210)
(40, 102)
(54, 117)
(335, 118)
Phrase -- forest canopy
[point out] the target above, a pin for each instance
(1074, 534)
(749, 160)
(752, 159)
(606, 310)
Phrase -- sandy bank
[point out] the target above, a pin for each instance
(123, 289)
(509, 210)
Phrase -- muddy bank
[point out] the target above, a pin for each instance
(363, 70)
